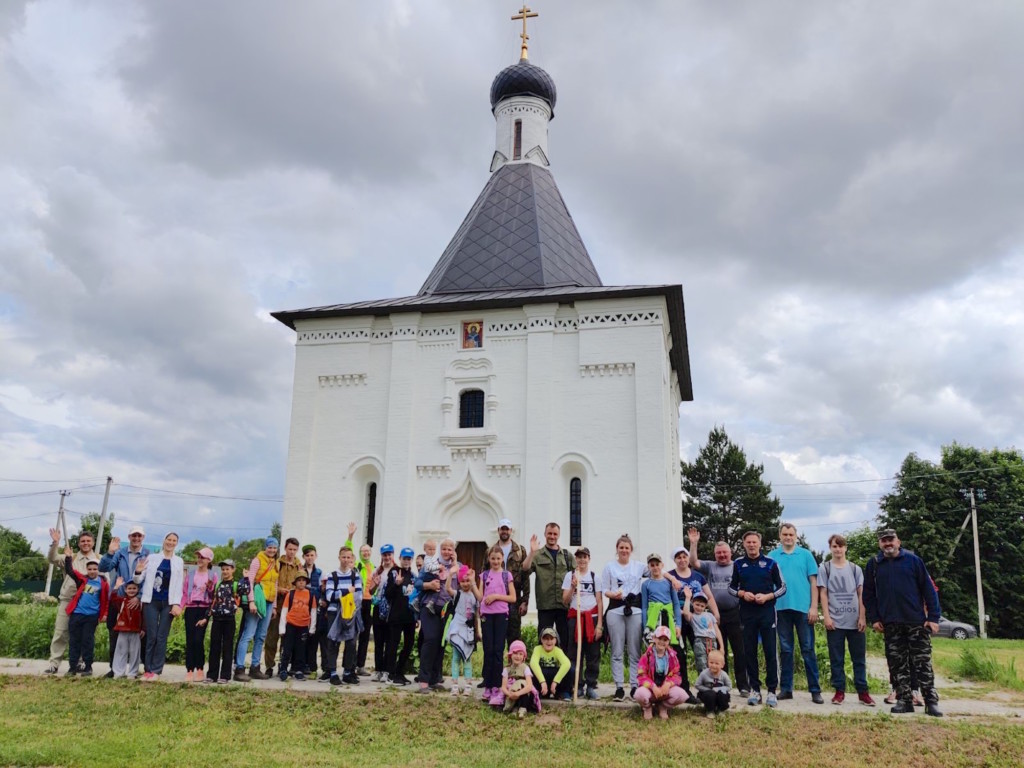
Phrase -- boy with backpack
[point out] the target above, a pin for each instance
(401, 622)
(221, 617)
(298, 620)
(343, 592)
(586, 610)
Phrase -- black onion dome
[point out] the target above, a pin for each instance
(523, 79)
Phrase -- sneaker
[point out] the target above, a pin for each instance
(282, 675)
(222, 681)
(891, 698)
(50, 670)
(255, 674)
(506, 705)
(521, 713)
(592, 694)
(648, 713)
(400, 680)
(620, 695)
(467, 691)
(324, 677)
(744, 693)
(754, 698)
(438, 687)
(772, 701)
(335, 680)
(865, 698)
(149, 677)
(785, 695)
(71, 672)
(350, 678)
(377, 677)
(81, 666)
(209, 680)
(839, 697)
(109, 674)
(270, 672)
(632, 692)
(188, 676)
(362, 672)
(87, 672)
(565, 696)
(816, 697)
(710, 714)
(918, 701)
(455, 690)
(423, 689)
(480, 684)
(240, 676)
(300, 675)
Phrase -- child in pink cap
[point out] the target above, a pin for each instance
(658, 677)
(196, 598)
(517, 689)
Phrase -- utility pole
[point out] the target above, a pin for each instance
(103, 518)
(977, 566)
(58, 525)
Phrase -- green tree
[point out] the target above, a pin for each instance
(927, 506)
(18, 561)
(275, 531)
(861, 545)
(725, 495)
(91, 523)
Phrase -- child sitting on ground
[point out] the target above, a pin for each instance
(658, 677)
(128, 626)
(706, 635)
(517, 683)
(713, 685)
(550, 665)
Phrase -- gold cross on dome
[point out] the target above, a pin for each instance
(524, 14)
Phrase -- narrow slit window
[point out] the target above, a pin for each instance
(471, 409)
(575, 512)
(517, 145)
(371, 511)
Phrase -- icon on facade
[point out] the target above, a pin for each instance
(473, 335)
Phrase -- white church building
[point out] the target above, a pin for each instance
(513, 385)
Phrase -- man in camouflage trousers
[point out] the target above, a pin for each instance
(900, 600)
(515, 554)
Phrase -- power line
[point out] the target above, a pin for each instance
(24, 480)
(178, 524)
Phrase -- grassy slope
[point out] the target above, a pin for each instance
(42, 723)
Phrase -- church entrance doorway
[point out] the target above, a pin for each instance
(473, 554)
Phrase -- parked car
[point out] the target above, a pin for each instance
(957, 630)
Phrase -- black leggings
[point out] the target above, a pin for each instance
(195, 638)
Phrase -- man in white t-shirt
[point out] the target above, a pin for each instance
(585, 620)
(841, 584)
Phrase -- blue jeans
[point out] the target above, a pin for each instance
(788, 620)
(253, 628)
(760, 622)
(157, 616)
(836, 658)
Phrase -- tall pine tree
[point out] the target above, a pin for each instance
(725, 495)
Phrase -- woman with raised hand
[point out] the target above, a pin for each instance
(162, 576)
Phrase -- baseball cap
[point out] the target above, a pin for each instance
(206, 553)
(387, 549)
(407, 552)
(662, 632)
(699, 596)
(136, 529)
(583, 551)
(226, 561)
(504, 523)
(885, 533)
(549, 632)
(308, 548)
(654, 556)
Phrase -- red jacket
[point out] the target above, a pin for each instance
(128, 619)
(81, 580)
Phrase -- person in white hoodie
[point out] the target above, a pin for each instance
(161, 576)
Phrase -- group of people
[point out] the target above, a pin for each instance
(640, 608)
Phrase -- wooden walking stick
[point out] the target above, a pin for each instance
(579, 640)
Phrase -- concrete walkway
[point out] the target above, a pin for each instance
(801, 703)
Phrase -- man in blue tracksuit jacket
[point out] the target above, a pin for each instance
(757, 582)
(900, 600)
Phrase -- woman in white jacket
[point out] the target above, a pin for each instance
(162, 576)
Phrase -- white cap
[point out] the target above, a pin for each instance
(136, 529)
(504, 523)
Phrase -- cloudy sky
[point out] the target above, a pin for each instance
(837, 186)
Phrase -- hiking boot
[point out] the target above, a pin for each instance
(620, 695)
(784, 695)
(865, 698)
(932, 710)
(839, 697)
(816, 697)
(240, 676)
(903, 708)
(255, 674)
(772, 700)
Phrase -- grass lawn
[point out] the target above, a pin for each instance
(1006, 657)
(94, 722)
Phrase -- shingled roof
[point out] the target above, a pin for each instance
(517, 235)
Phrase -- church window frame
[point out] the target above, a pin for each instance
(471, 408)
(575, 512)
(517, 140)
(371, 511)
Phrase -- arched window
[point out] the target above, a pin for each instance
(575, 512)
(471, 409)
(371, 511)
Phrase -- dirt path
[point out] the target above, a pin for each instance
(994, 705)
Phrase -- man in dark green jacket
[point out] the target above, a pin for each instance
(549, 566)
(515, 556)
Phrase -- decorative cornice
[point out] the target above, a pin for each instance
(469, 454)
(618, 319)
(434, 470)
(343, 380)
(504, 470)
(607, 369)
